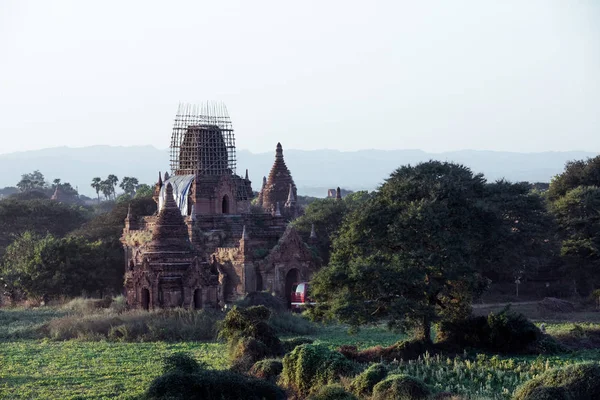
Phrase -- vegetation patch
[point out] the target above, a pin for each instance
(401, 387)
(579, 381)
(267, 369)
(309, 366)
(184, 379)
(363, 384)
(332, 392)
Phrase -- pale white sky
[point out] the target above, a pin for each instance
(435, 75)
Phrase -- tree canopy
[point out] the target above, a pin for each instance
(410, 254)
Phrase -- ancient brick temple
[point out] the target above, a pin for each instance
(204, 248)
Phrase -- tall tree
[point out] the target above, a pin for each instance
(107, 188)
(97, 185)
(409, 255)
(32, 181)
(143, 191)
(113, 180)
(129, 185)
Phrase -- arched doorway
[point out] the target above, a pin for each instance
(292, 278)
(198, 299)
(225, 205)
(145, 299)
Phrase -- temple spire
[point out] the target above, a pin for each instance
(277, 210)
(338, 193)
(264, 185)
(160, 182)
(313, 234)
(291, 198)
(247, 174)
(245, 234)
(166, 176)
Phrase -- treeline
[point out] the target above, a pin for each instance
(434, 235)
(50, 249)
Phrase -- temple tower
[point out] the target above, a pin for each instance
(280, 187)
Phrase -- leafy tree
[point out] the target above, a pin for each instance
(523, 239)
(97, 185)
(38, 266)
(578, 215)
(577, 173)
(39, 216)
(327, 216)
(409, 255)
(129, 185)
(144, 191)
(32, 181)
(575, 203)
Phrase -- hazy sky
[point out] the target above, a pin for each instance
(435, 75)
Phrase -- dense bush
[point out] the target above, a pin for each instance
(504, 332)
(181, 362)
(267, 369)
(211, 385)
(401, 387)
(578, 381)
(310, 365)
(291, 344)
(249, 336)
(362, 385)
(135, 326)
(332, 392)
(405, 350)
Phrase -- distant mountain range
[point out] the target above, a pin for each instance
(314, 171)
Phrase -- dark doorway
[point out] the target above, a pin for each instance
(145, 299)
(225, 205)
(291, 280)
(259, 282)
(198, 299)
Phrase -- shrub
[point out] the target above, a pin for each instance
(511, 332)
(250, 338)
(401, 387)
(505, 332)
(310, 365)
(244, 353)
(267, 369)
(332, 392)
(181, 362)
(362, 385)
(291, 344)
(211, 385)
(578, 381)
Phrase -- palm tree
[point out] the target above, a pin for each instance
(96, 184)
(106, 188)
(129, 185)
(112, 179)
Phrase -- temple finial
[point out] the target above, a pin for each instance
(279, 151)
(247, 174)
(313, 233)
(245, 234)
(338, 193)
(277, 210)
(160, 182)
(166, 176)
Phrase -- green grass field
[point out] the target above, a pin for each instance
(40, 368)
